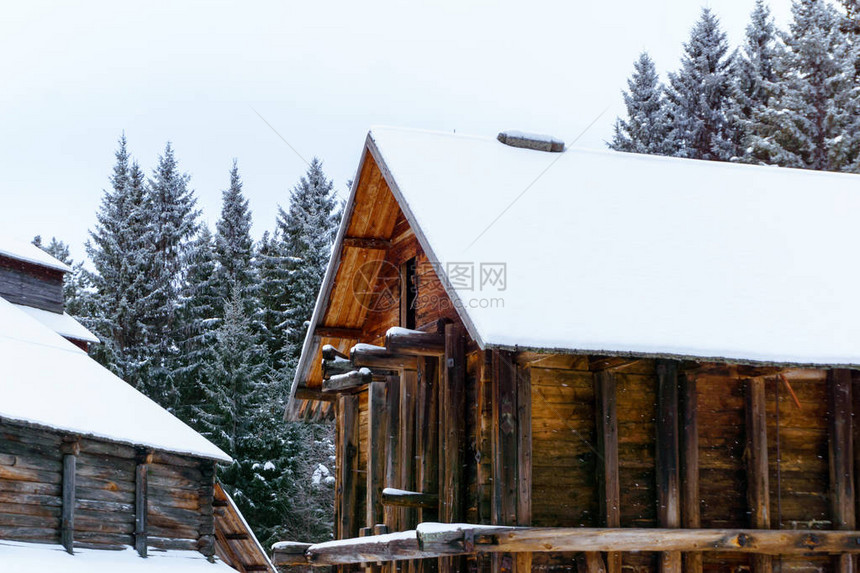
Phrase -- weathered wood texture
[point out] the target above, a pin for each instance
(347, 466)
(841, 459)
(31, 285)
(85, 493)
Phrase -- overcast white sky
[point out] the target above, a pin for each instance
(75, 76)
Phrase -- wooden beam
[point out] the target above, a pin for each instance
(589, 562)
(141, 504)
(338, 332)
(499, 539)
(347, 382)
(408, 394)
(504, 439)
(758, 486)
(436, 540)
(329, 352)
(392, 447)
(427, 434)
(347, 465)
(841, 458)
(689, 443)
(370, 243)
(415, 342)
(380, 358)
(376, 435)
(336, 366)
(311, 394)
(452, 439)
(70, 449)
(609, 488)
(667, 462)
(404, 498)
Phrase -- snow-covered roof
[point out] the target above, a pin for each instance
(62, 324)
(48, 382)
(28, 252)
(18, 557)
(610, 252)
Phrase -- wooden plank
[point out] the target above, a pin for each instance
(758, 486)
(392, 446)
(406, 441)
(141, 504)
(452, 438)
(427, 439)
(689, 442)
(504, 447)
(347, 458)
(667, 462)
(609, 486)
(367, 243)
(415, 342)
(67, 525)
(376, 438)
(841, 458)
(591, 562)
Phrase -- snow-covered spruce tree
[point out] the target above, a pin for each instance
(297, 258)
(77, 294)
(754, 78)
(198, 318)
(646, 129)
(173, 225)
(234, 247)
(119, 248)
(812, 122)
(699, 95)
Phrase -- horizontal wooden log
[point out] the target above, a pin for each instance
(158, 542)
(313, 394)
(348, 381)
(403, 498)
(329, 352)
(290, 554)
(380, 358)
(371, 243)
(415, 342)
(338, 332)
(388, 547)
(336, 367)
(438, 538)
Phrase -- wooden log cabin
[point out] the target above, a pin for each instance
(553, 360)
(94, 476)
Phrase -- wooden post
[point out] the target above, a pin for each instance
(347, 459)
(376, 437)
(668, 498)
(141, 471)
(408, 391)
(609, 488)
(427, 428)
(392, 447)
(758, 488)
(452, 440)
(505, 454)
(524, 459)
(591, 562)
(70, 449)
(841, 458)
(690, 507)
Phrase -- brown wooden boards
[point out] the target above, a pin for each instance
(668, 495)
(841, 458)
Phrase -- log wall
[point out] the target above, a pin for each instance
(98, 506)
(31, 285)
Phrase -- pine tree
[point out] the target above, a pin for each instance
(173, 224)
(812, 122)
(119, 249)
(234, 246)
(754, 78)
(646, 129)
(699, 92)
(293, 261)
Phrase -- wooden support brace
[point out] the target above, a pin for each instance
(338, 332)
(609, 488)
(505, 455)
(667, 462)
(349, 381)
(392, 447)
(329, 352)
(452, 439)
(70, 449)
(143, 458)
(689, 438)
(381, 358)
(377, 425)
(841, 459)
(408, 396)
(758, 492)
(347, 465)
